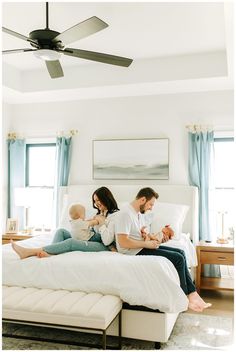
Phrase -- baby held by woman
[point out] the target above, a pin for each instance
(82, 229)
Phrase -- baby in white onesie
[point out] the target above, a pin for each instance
(81, 229)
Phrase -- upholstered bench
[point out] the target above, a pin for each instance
(62, 309)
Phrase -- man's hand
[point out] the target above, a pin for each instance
(143, 230)
(144, 233)
(151, 244)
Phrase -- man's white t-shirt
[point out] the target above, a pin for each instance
(129, 222)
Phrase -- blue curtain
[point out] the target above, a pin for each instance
(63, 160)
(63, 156)
(16, 177)
(201, 146)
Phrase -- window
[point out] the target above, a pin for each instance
(40, 178)
(224, 178)
(40, 165)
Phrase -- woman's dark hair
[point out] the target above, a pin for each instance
(106, 198)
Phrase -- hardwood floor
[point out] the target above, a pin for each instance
(222, 303)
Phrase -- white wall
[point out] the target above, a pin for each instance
(6, 118)
(133, 117)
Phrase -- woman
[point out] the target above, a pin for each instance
(106, 205)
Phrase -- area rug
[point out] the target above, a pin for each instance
(191, 332)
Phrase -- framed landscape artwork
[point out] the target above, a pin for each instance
(134, 159)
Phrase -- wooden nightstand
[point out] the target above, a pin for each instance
(15, 237)
(214, 253)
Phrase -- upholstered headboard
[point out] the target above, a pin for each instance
(126, 193)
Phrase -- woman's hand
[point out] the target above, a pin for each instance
(100, 219)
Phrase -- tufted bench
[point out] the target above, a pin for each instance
(62, 309)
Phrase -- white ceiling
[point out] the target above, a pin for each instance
(157, 35)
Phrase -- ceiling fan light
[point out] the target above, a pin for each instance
(47, 54)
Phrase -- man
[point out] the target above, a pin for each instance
(129, 227)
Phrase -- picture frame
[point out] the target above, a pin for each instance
(131, 159)
(12, 225)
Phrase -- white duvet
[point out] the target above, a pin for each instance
(138, 280)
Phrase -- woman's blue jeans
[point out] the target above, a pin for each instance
(63, 243)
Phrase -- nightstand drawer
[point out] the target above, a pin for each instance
(217, 258)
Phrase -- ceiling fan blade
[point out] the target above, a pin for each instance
(81, 30)
(100, 57)
(14, 51)
(18, 35)
(54, 69)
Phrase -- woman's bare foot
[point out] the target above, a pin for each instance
(24, 252)
(43, 254)
(113, 249)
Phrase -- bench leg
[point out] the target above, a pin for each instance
(120, 332)
(157, 345)
(104, 339)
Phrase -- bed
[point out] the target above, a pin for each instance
(151, 309)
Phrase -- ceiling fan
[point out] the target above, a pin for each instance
(49, 45)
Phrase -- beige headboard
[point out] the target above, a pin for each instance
(179, 194)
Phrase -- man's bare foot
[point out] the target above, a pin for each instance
(194, 307)
(196, 300)
(43, 254)
(24, 252)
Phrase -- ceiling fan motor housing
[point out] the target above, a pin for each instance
(45, 37)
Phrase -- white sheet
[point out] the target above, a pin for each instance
(138, 280)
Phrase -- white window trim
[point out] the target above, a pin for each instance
(40, 140)
(223, 134)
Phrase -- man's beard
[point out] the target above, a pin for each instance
(142, 209)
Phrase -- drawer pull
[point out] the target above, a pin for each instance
(221, 258)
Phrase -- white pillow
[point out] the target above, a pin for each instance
(167, 214)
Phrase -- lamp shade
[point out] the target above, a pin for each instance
(47, 54)
(30, 196)
(22, 197)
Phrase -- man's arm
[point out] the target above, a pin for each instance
(126, 242)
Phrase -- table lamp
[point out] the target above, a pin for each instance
(23, 198)
(222, 239)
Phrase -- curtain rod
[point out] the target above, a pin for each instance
(70, 133)
(199, 128)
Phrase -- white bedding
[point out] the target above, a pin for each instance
(138, 280)
(186, 245)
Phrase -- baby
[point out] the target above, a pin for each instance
(81, 229)
(163, 236)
